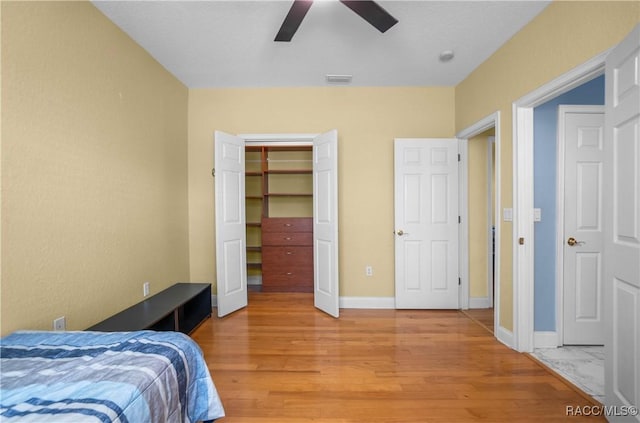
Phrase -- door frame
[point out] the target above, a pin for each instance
(491, 219)
(489, 122)
(301, 139)
(523, 213)
(258, 140)
(563, 110)
(277, 139)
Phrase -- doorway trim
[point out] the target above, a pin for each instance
(491, 220)
(277, 139)
(489, 122)
(523, 213)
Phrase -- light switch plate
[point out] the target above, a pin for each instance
(507, 215)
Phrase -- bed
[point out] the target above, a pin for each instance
(127, 377)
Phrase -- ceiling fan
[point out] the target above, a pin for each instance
(370, 11)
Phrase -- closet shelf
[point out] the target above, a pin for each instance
(289, 171)
(288, 194)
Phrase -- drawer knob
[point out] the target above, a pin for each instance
(288, 238)
(289, 253)
(287, 224)
(289, 273)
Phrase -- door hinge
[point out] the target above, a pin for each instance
(459, 219)
(213, 172)
(459, 158)
(459, 281)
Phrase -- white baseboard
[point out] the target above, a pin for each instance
(214, 301)
(254, 280)
(506, 337)
(479, 302)
(548, 339)
(367, 302)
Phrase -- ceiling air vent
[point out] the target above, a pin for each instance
(339, 79)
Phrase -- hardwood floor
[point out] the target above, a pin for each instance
(482, 316)
(281, 360)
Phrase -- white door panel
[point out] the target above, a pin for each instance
(582, 136)
(231, 268)
(426, 223)
(622, 226)
(325, 223)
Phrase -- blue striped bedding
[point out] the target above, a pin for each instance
(126, 377)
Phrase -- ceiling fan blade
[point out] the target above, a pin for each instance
(292, 21)
(371, 12)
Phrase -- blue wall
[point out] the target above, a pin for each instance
(545, 126)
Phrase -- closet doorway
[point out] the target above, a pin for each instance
(230, 174)
(279, 216)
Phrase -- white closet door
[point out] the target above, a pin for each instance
(231, 259)
(325, 223)
(581, 131)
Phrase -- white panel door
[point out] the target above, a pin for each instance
(582, 134)
(231, 260)
(622, 226)
(426, 223)
(325, 223)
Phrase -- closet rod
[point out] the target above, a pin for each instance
(282, 161)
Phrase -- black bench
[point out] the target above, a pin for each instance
(181, 308)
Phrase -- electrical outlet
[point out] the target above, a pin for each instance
(60, 323)
(368, 270)
(145, 289)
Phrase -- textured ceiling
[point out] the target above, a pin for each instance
(230, 43)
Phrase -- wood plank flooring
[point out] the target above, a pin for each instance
(482, 316)
(281, 360)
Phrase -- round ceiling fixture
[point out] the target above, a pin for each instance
(446, 56)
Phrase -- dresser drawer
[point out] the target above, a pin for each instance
(291, 273)
(287, 238)
(287, 224)
(287, 256)
(287, 287)
(291, 276)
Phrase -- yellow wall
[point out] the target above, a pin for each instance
(563, 36)
(94, 171)
(94, 154)
(367, 120)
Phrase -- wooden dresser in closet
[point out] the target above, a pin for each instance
(287, 254)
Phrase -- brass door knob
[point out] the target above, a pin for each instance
(572, 241)
(400, 232)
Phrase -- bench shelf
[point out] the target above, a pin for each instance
(181, 308)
